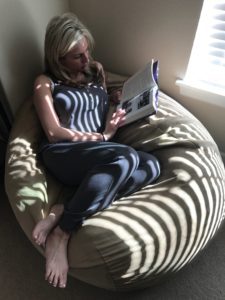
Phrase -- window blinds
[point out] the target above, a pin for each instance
(207, 61)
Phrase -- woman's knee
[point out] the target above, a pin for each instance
(151, 162)
(157, 168)
(128, 154)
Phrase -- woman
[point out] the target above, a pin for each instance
(72, 104)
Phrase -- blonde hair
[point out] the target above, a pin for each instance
(62, 32)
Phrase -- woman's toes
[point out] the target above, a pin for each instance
(55, 281)
(62, 285)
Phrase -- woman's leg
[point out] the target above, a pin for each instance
(104, 168)
(98, 169)
(147, 172)
(44, 226)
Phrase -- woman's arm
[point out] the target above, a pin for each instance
(114, 121)
(43, 103)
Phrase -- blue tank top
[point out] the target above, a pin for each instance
(81, 108)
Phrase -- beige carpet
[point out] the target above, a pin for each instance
(22, 272)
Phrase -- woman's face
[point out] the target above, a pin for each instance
(77, 58)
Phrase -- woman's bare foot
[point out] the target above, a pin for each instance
(43, 227)
(56, 258)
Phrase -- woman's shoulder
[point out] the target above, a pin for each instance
(43, 80)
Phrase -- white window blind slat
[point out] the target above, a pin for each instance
(207, 60)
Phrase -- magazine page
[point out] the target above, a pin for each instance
(141, 106)
(139, 82)
(140, 93)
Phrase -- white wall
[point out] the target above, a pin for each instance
(128, 33)
(22, 28)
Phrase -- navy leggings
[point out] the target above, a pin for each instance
(101, 171)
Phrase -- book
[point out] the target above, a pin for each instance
(140, 93)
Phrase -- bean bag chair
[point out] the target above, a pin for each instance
(142, 238)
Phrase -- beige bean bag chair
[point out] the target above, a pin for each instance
(142, 238)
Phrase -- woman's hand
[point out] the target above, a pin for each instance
(116, 120)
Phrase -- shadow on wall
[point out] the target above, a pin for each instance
(20, 50)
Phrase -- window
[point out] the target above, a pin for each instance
(206, 68)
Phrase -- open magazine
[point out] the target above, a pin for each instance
(140, 93)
